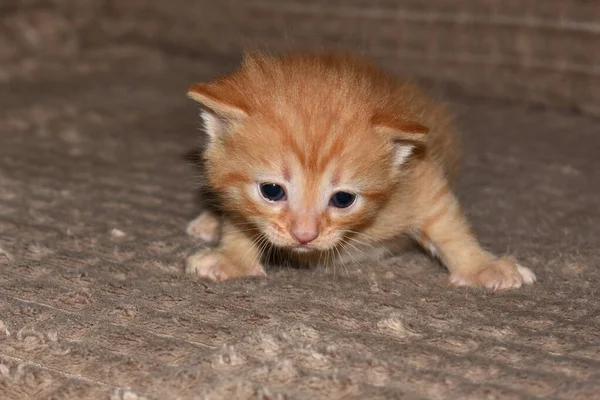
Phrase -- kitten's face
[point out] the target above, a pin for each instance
(304, 187)
(304, 148)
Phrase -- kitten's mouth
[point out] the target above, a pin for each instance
(303, 249)
(299, 248)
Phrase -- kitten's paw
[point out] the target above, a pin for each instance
(204, 227)
(217, 267)
(209, 264)
(499, 274)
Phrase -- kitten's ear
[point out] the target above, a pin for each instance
(222, 106)
(409, 137)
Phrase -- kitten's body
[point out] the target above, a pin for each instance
(325, 127)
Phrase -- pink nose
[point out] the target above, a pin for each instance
(304, 236)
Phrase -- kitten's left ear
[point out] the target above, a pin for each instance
(408, 137)
(223, 105)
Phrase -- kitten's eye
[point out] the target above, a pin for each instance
(342, 199)
(272, 191)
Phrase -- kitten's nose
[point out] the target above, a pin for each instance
(305, 229)
(305, 236)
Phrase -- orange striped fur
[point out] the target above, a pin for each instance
(319, 123)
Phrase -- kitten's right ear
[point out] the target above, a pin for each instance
(222, 106)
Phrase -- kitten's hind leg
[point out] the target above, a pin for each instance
(444, 231)
(206, 227)
(236, 256)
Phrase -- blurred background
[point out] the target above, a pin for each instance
(542, 51)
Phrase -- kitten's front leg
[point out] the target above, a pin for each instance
(444, 231)
(235, 256)
(206, 227)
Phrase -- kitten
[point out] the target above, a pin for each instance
(322, 156)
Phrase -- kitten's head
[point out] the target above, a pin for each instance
(308, 147)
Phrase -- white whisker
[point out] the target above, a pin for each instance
(254, 243)
(350, 254)
(343, 262)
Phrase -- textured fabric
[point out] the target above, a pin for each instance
(96, 189)
(95, 193)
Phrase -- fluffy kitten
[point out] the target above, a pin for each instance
(324, 157)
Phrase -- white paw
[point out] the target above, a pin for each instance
(204, 227)
(499, 274)
(207, 264)
(217, 267)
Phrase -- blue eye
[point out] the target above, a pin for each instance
(342, 200)
(272, 191)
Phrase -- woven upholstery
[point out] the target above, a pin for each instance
(95, 193)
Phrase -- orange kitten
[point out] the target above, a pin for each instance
(325, 157)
